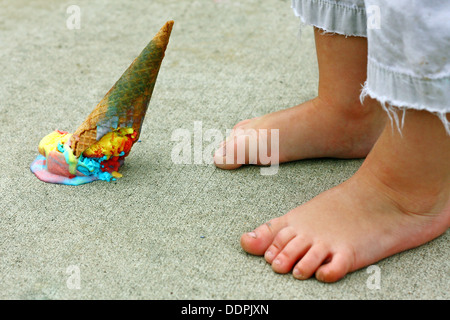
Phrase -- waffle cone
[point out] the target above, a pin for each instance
(127, 101)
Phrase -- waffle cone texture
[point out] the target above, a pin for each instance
(127, 101)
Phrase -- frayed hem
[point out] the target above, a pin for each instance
(332, 18)
(393, 108)
(325, 32)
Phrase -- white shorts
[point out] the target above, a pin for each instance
(408, 48)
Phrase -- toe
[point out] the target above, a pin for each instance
(226, 156)
(336, 269)
(294, 250)
(241, 147)
(242, 123)
(257, 241)
(283, 237)
(311, 261)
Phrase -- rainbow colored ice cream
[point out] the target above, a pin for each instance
(99, 146)
(101, 161)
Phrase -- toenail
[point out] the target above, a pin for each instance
(252, 234)
(296, 273)
(221, 152)
(276, 262)
(269, 255)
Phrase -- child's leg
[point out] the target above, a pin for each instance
(400, 197)
(383, 209)
(334, 124)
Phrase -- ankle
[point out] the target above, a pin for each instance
(413, 166)
(350, 106)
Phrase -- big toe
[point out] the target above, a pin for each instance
(221, 160)
(235, 151)
(243, 123)
(257, 241)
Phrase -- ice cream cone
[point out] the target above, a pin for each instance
(126, 102)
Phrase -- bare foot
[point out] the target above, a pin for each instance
(334, 124)
(314, 129)
(398, 199)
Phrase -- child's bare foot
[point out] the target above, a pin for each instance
(314, 129)
(398, 199)
(334, 124)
